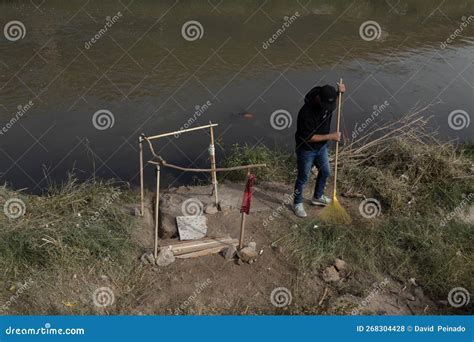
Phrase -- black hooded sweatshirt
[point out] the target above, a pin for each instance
(313, 118)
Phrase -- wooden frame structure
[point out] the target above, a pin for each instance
(161, 163)
(142, 138)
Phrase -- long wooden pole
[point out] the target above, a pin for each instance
(339, 104)
(142, 190)
(157, 209)
(242, 222)
(181, 131)
(212, 152)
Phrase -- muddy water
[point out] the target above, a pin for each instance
(244, 61)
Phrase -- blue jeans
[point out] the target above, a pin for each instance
(305, 160)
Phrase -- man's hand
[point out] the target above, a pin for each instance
(341, 87)
(335, 136)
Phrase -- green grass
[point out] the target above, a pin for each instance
(439, 258)
(418, 185)
(280, 164)
(76, 238)
(68, 242)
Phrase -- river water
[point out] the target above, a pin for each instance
(136, 66)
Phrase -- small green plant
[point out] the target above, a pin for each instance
(280, 165)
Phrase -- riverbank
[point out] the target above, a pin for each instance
(408, 247)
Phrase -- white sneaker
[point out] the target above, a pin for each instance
(299, 210)
(322, 201)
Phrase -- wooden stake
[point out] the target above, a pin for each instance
(157, 208)
(242, 230)
(242, 223)
(212, 150)
(142, 190)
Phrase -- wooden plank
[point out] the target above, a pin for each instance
(171, 242)
(193, 242)
(203, 252)
(210, 244)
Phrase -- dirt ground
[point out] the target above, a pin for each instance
(275, 283)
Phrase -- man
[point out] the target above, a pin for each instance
(312, 135)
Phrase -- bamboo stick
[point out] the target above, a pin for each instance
(217, 169)
(157, 208)
(212, 153)
(181, 131)
(142, 190)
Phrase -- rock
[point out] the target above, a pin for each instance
(225, 206)
(211, 209)
(137, 211)
(147, 258)
(168, 227)
(340, 264)
(165, 257)
(252, 245)
(240, 262)
(408, 295)
(330, 274)
(247, 254)
(412, 281)
(229, 252)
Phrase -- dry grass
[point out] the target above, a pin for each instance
(69, 242)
